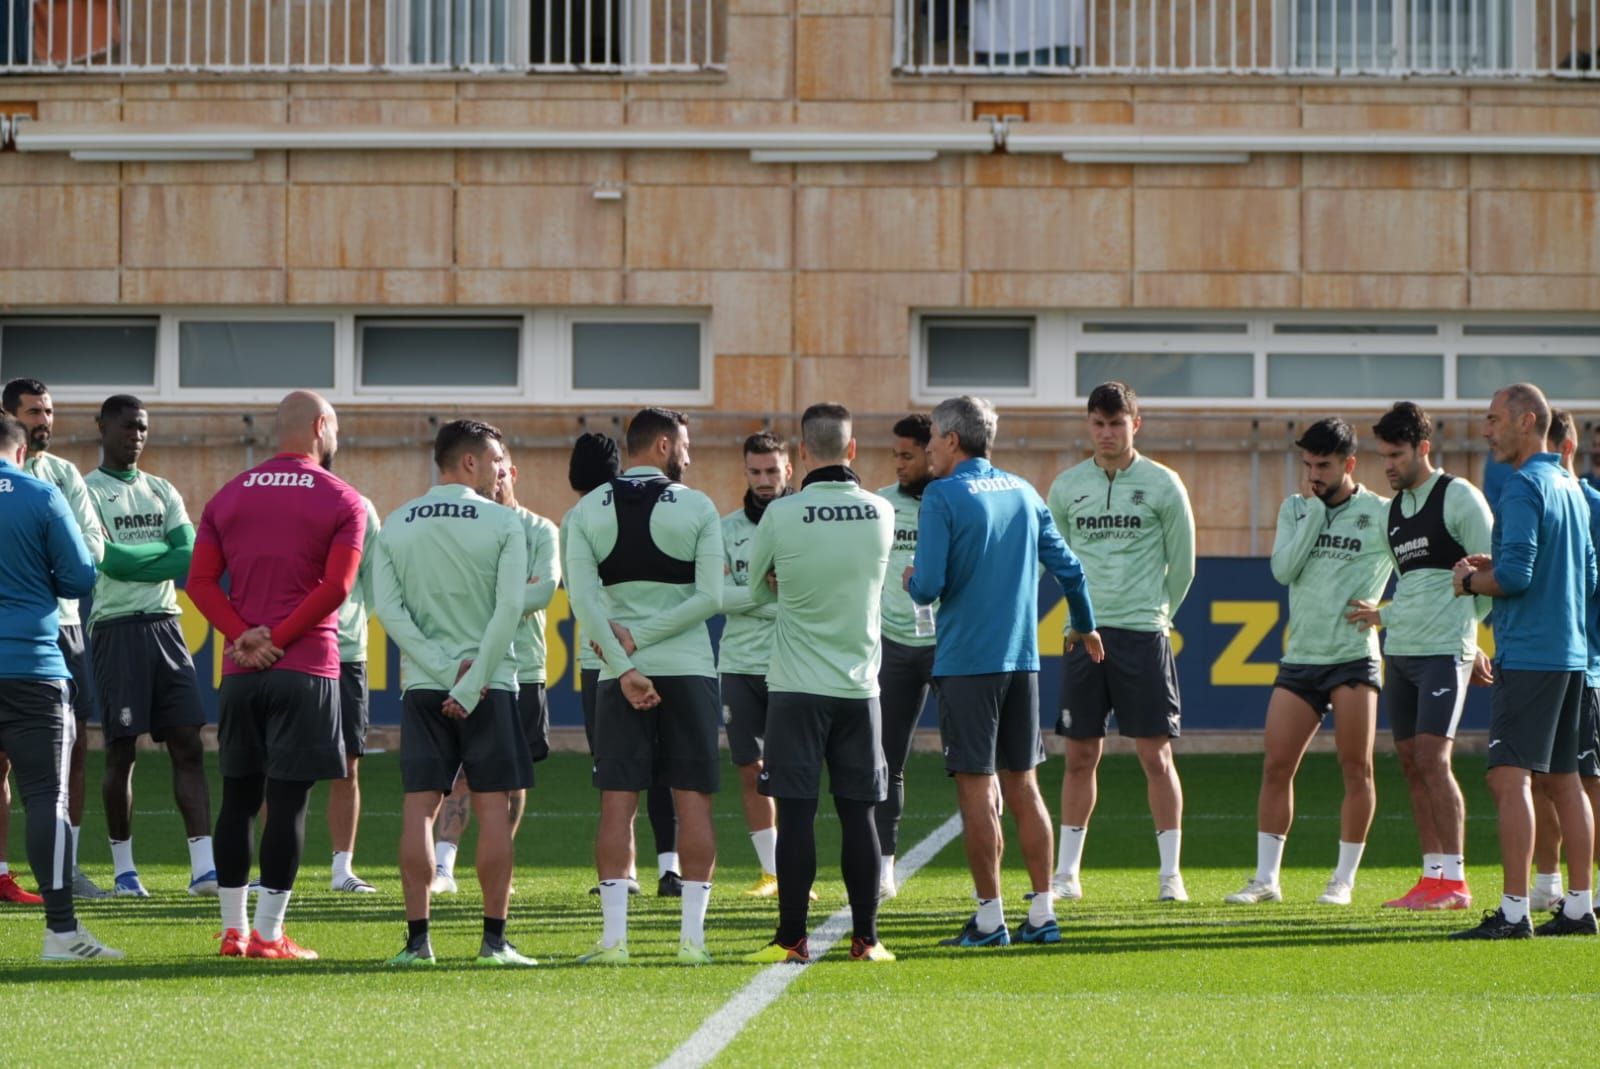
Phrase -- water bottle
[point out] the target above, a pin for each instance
(925, 625)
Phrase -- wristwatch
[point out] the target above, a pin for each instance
(1466, 582)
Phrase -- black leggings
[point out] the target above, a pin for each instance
(283, 837)
(797, 865)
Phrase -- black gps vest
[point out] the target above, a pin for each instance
(636, 558)
(1422, 541)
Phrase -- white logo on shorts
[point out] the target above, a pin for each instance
(1442, 691)
(125, 717)
(727, 714)
(1493, 743)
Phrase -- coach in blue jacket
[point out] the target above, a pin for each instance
(42, 558)
(1541, 572)
(984, 533)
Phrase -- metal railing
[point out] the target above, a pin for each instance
(1327, 38)
(249, 36)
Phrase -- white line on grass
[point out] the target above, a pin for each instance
(713, 1036)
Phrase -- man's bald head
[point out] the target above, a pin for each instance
(307, 423)
(1524, 397)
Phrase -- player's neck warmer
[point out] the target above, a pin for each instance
(833, 473)
(755, 508)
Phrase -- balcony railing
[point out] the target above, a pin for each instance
(1312, 38)
(244, 36)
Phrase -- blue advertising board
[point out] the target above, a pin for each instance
(1228, 637)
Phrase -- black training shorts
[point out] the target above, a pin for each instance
(744, 716)
(281, 724)
(1138, 681)
(990, 722)
(488, 745)
(145, 677)
(673, 745)
(807, 732)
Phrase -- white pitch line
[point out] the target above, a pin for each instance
(720, 1029)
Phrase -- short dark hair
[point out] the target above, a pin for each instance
(1563, 428)
(16, 388)
(460, 436)
(594, 462)
(648, 424)
(917, 427)
(825, 429)
(1113, 399)
(118, 403)
(1404, 424)
(1328, 437)
(12, 432)
(764, 442)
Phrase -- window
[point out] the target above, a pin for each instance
(1424, 35)
(1170, 374)
(107, 354)
(453, 353)
(1290, 360)
(994, 353)
(273, 354)
(545, 356)
(625, 358)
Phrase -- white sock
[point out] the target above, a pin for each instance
(121, 856)
(444, 857)
(1170, 844)
(766, 843)
(1070, 857)
(667, 862)
(1455, 867)
(614, 911)
(1514, 908)
(1269, 857)
(341, 865)
(1578, 904)
(5, 868)
(233, 901)
(1349, 861)
(1042, 908)
(200, 859)
(1548, 883)
(1433, 866)
(886, 868)
(270, 907)
(692, 928)
(75, 830)
(991, 914)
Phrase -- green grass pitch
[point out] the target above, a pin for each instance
(1132, 982)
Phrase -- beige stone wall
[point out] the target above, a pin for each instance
(811, 272)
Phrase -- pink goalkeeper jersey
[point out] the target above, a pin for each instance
(275, 525)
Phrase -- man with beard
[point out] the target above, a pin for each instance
(1430, 641)
(906, 672)
(746, 647)
(288, 534)
(142, 667)
(449, 580)
(528, 653)
(644, 555)
(1330, 550)
(29, 401)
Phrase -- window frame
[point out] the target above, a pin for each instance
(544, 360)
(1059, 337)
(358, 343)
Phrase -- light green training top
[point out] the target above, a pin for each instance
(1134, 532)
(746, 647)
(544, 565)
(1425, 618)
(357, 608)
(899, 614)
(829, 546)
(1327, 557)
(587, 657)
(666, 620)
(448, 587)
(64, 477)
(138, 513)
